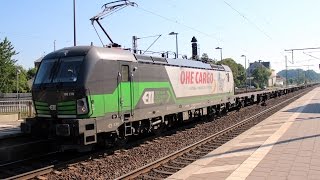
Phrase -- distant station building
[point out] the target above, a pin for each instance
(280, 81)
(38, 61)
(272, 81)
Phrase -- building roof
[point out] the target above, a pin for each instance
(256, 64)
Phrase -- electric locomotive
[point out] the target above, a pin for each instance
(87, 95)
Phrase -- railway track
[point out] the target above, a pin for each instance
(18, 148)
(35, 167)
(161, 168)
(174, 162)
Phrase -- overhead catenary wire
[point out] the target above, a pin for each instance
(177, 22)
(311, 55)
(247, 19)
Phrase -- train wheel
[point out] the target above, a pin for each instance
(160, 129)
(121, 141)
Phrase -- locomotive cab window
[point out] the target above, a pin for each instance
(63, 70)
(124, 73)
(69, 69)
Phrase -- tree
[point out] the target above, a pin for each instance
(205, 58)
(31, 73)
(9, 70)
(7, 66)
(290, 81)
(237, 70)
(261, 76)
(23, 80)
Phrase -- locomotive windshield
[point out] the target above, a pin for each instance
(59, 70)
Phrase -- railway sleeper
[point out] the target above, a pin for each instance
(172, 167)
(151, 177)
(221, 140)
(187, 159)
(181, 163)
(163, 172)
(200, 153)
(228, 138)
(208, 146)
(205, 149)
(193, 155)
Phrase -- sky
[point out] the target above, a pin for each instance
(260, 30)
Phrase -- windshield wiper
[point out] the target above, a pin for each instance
(50, 77)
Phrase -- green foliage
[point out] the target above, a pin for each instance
(237, 70)
(23, 80)
(206, 58)
(8, 70)
(299, 76)
(31, 73)
(261, 76)
(290, 81)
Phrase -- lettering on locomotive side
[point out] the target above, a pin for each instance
(148, 97)
(188, 82)
(191, 77)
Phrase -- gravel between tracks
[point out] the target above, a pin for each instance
(115, 165)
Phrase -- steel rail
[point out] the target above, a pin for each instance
(27, 159)
(159, 162)
(33, 174)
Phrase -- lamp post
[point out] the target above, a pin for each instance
(174, 33)
(220, 52)
(74, 23)
(245, 70)
(17, 71)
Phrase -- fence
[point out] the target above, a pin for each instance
(9, 96)
(24, 107)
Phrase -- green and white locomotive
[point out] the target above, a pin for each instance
(86, 95)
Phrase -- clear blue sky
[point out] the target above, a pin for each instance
(259, 29)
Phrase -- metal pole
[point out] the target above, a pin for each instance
(249, 73)
(286, 71)
(177, 45)
(134, 44)
(298, 78)
(221, 53)
(17, 84)
(305, 77)
(18, 92)
(74, 23)
(245, 71)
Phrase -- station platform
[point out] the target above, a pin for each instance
(10, 129)
(284, 146)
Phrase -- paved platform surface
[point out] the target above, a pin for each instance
(9, 129)
(284, 146)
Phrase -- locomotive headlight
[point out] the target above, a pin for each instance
(82, 107)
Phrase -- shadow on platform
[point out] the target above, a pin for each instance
(309, 108)
(266, 145)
